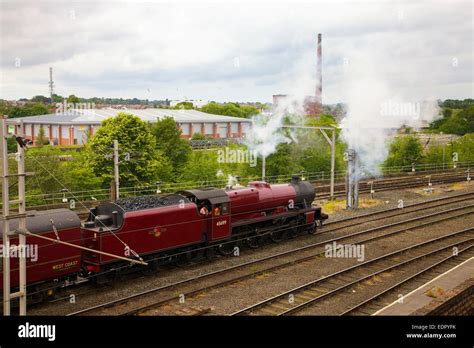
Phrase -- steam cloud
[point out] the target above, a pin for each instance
(265, 134)
(376, 108)
(376, 105)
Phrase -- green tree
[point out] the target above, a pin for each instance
(404, 151)
(81, 177)
(44, 162)
(38, 109)
(146, 164)
(201, 168)
(457, 104)
(184, 106)
(53, 173)
(456, 121)
(464, 146)
(40, 99)
(73, 99)
(27, 110)
(41, 139)
(230, 109)
(282, 162)
(437, 153)
(169, 142)
(198, 136)
(57, 98)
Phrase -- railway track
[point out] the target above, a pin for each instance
(393, 212)
(390, 184)
(347, 222)
(379, 300)
(128, 305)
(438, 250)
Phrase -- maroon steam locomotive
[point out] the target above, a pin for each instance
(169, 229)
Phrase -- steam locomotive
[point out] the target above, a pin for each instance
(173, 228)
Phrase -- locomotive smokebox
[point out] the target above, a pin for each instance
(352, 181)
(305, 193)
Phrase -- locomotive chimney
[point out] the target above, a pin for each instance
(295, 179)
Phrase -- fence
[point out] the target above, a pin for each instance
(318, 178)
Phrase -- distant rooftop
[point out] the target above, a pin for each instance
(96, 116)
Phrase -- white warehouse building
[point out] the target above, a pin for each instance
(74, 126)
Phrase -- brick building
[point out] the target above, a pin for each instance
(74, 126)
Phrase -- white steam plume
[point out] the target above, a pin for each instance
(376, 108)
(265, 133)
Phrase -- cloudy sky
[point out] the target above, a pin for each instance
(238, 51)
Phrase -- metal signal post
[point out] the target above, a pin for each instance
(116, 170)
(6, 217)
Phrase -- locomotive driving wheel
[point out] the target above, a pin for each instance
(226, 249)
(277, 236)
(294, 229)
(254, 240)
(312, 228)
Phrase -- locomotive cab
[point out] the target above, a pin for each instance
(217, 205)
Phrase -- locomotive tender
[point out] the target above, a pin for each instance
(168, 229)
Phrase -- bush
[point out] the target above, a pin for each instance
(230, 109)
(403, 151)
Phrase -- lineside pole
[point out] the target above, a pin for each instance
(332, 145)
(6, 223)
(116, 169)
(333, 161)
(22, 223)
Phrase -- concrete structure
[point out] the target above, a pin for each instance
(75, 126)
(450, 293)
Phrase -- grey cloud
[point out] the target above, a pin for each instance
(113, 47)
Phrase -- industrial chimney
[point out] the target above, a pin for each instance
(319, 76)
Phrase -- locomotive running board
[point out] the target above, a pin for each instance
(272, 217)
